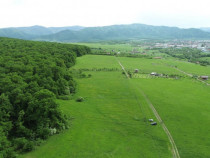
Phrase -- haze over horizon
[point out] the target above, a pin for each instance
(54, 13)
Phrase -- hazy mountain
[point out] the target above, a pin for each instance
(15, 33)
(58, 29)
(114, 32)
(207, 29)
(121, 32)
(34, 31)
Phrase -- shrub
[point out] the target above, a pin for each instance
(19, 143)
(28, 146)
(43, 133)
(23, 144)
(83, 75)
(80, 99)
(53, 131)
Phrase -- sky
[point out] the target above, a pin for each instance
(56, 13)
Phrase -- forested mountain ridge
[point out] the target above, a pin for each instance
(114, 32)
(15, 33)
(40, 30)
(207, 29)
(125, 32)
(33, 31)
(32, 75)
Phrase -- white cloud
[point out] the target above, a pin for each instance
(183, 13)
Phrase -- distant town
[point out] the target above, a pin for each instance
(203, 45)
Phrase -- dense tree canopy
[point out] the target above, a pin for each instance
(32, 75)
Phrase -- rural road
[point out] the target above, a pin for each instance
(175, 151)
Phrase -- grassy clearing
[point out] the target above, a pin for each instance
(183, 104)
(111, 122)
(125, 48)
(184, 107)
(165, 66)
(148, 65)
(96, 61)
(114, 47)
(191, 68)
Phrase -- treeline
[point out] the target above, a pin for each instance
(100, 51)
(183, 53)
(100, 69)
(32, 75)
(136, 55)
(191, 54)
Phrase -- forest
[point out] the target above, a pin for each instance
(32, 76)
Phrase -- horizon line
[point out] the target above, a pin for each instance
(95, 26)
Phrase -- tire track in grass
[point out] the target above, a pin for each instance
(190, 75)
(174, 148)
(147, 129)
(140, 106)
(175, 151)
(123, 69)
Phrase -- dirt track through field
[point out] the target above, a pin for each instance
(124, 70)
(174, 149)
(188, 74)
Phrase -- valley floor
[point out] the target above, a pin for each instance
(113, 119)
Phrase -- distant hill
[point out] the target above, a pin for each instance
(15, 33)
(34, 31)
(122, 32)
(114, 32)
(207, 29)
(40, 30)
(58, 29)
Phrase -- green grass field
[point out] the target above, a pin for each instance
(112, 47)
(192, 68)
(112, 122)
(124, 48)
(109, 123)
(96, 61)
(184, 106)
(148, 65)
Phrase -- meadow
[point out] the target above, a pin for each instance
(124, 48)
(111, 122)
(113, 119)
(148, 65)
(184, 107)
(111, 47)
(182, 103)
(191, 68)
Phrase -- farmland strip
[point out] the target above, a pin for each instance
(174, 148)
(123, 69)
(188, 74)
